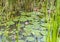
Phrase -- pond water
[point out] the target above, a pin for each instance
(41, 38)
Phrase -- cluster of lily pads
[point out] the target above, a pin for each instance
(24, 25)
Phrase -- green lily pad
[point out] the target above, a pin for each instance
(23, 18)
(30, 38)
(10, 23)
(21, 40)
(36, 32)
(29, 26)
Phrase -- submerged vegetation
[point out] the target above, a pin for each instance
(29, 20)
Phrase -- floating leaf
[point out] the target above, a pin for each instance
(10, 23)
(30, 38)
(21, 41)
(23, 19)
(36, 32)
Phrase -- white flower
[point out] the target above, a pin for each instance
(26, 23)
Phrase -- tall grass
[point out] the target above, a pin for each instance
(58, 14)
(47, 19)
(56, 22)
(53, 23)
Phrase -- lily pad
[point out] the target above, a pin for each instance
(30, 38)
(21, 41)
(10, 23)
(36, 32)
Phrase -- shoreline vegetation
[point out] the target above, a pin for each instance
(29, 20)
